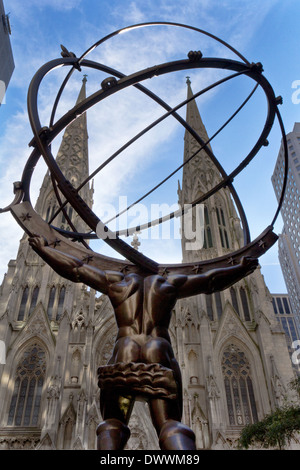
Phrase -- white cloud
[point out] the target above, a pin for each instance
(19, 7)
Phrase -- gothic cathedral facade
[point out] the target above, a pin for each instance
(231, 349)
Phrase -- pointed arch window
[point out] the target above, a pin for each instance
(245, 304)
(29, 380)
(51, 302)
(48, 214)
(69, 212)
(61, 299)
(219, 306)
(234, 300)
(51, 209)
(34, 297)
(208, 242)
(214, 306)
(56, 302)
(23, 304)
(238, 384)
(209, 307)
(222, 227)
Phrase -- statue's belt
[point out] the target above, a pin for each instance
(149, 380)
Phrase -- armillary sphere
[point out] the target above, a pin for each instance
(43, 136)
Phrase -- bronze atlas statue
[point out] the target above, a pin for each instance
(142, 292)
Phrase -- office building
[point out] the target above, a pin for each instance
(289, 241)
(6, 56)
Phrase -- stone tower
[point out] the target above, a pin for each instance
(56, 334)
(232, 354)
(231, 349)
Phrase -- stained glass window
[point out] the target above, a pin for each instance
(69, 212)
(245, 304)
(238, 384)
(61, 299)
(34, 297)
(209, 307)
(208, 243)
(26, 399)
(234, 300)
(50, 211)
(51, 302)
(218, 304)
(222, 227)
(23, 304)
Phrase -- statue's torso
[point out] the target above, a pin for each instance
(143, 308)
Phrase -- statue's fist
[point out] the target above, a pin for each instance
(249, 263)
(37, 242)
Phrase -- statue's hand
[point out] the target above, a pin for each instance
(249, 264)
(37, 242)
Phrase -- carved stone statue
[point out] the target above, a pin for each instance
(142, 363)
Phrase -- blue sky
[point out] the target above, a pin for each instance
(263, 31)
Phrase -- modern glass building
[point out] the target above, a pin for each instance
(289, 241)
(284, 314)
(7, 64)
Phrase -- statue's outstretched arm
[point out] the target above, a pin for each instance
(217, 279)
(68, 266)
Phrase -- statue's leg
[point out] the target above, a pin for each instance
(113, 433)
(176, 436)
(173, 435)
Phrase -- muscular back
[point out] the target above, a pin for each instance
(142, 304)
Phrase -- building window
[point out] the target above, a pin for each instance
(245, 304)
(238, 384)
(209, 307)
(208, 243)
(69, 213)
(214, 307)
(23, 304)
(218, 304)
(56, 302)
(61, 299)
(286, 305)
(234, 300)
(274, 305)
(34, 298)
(28, 302)
(292, 327)
(222, 227)
(50, 213)
(6, 24)
(280, 306)
(51, 208)
(51, 302)
(29, 380)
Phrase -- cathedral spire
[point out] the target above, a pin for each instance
(196, 171)
(73, 160)
(82, 93)
(193, 117)
(199, 176)
(72, 156)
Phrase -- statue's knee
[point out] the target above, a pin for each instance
(112, 434)
(176, 436)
